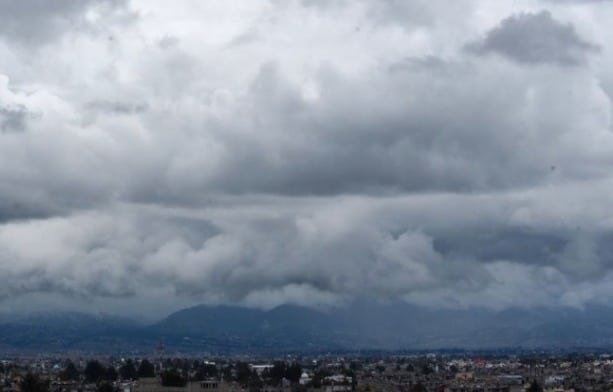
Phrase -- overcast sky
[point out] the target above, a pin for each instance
(157, 154)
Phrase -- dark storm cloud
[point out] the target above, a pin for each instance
(319, 250)
(502, 243)
(536, 39)
(582, 255)
(11, 209)
(371, 136)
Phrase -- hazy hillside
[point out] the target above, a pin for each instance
(363, 325)
(68, 330)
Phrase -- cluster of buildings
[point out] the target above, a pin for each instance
(440, 373)
(501, 374)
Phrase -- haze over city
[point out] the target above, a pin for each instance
(450, 155)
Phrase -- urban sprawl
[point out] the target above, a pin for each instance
(411, 373)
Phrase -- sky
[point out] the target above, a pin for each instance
(451, 154)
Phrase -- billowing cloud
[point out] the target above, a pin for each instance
(214, 152)
(536, 39)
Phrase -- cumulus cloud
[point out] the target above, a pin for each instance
(317, 251)
(365, 153)
(536, 38)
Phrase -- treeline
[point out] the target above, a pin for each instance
(93, 373)
(96, 372)
(173, 373)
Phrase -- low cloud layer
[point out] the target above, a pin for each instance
(156, 156)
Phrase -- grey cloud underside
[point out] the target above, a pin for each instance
(117, 107)
(35, 22)
(270, 257)
(442, 136)
(536, 39)
(13, 118)
(11, 210)
(443, 252)
(355, 156)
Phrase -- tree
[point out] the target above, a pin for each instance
(173, 378)
(206, 370)
(210, 370)
(316, 381)
(293, 372)
(254, 382)
(94, 371)
(111, 374)
(299, 388)
(426, 369)
(106, 387)
(70, 372)
(227, 373)
(277, 372)
(535, 387)
(243, 373)
(146, 369)
(33, 383)
(354, 381)
(128, 371)
(419, 387)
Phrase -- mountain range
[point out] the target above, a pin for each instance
(288, 328)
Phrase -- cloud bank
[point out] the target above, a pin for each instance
(155, 156)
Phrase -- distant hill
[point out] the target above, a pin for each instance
(66, 331)
(362, 325)
(234, 328)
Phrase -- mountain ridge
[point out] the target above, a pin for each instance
(292, 328)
